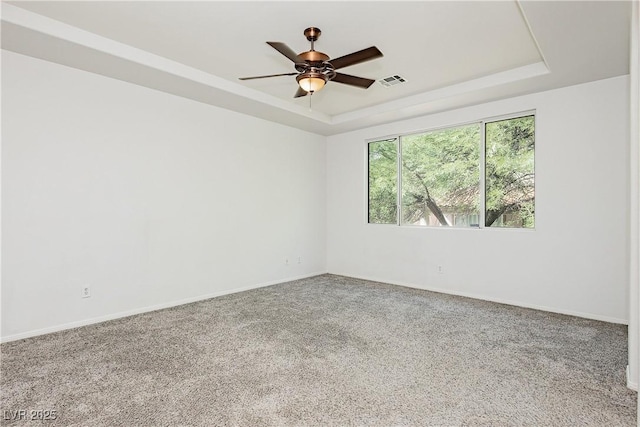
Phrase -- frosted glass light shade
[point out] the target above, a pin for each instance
(311, 84)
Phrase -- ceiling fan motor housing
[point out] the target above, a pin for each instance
(313, 63)
(313, 56)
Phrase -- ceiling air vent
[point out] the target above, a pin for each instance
(391, 81)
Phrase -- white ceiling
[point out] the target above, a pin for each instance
(452, 54)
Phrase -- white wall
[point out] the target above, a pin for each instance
(576, 261)
(148, 198)
(153, 200)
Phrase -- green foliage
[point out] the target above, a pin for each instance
(383, 158)
(440, 174)
(510, 175)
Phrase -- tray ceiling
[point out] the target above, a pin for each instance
(450, 53)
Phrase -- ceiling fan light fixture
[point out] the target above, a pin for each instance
(311, 82)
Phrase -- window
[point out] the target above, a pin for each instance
(383, 160)
(440, 176)
(509, 173)
(435, 178)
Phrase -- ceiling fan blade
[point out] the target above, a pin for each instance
(353, 80)
(300, 92)
(285, 50)
(356, 57)
(264, 77)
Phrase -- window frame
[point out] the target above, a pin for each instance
(482, 170)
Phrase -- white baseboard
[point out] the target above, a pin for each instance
(119, 315)
(91, 321)
(631, 384)
(491, 299)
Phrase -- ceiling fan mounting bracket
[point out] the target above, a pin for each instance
(312, 33)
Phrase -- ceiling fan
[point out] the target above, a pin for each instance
(314, 68)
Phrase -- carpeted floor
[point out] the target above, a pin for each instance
(325, 351)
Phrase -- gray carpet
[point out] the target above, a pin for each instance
(324, 351)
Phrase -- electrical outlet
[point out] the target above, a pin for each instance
(440, 269)
(86, 292)
(286, 261)
(299, 260)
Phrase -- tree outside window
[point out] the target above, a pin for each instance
(440, 178)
